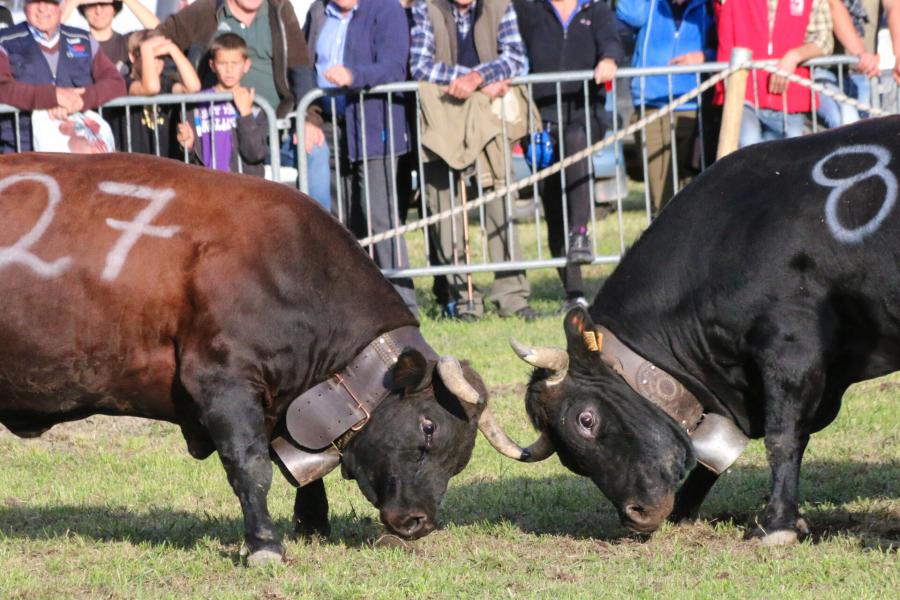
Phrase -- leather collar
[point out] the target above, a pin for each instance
(717, 441)
(322, 420)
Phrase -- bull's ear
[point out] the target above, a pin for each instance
(579, 331)
(412, 372)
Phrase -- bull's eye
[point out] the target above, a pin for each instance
(428, 427)
(587, 420)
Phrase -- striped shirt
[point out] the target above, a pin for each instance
(511, 61)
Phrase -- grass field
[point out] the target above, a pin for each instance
(116, 508)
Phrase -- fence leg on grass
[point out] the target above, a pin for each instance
(735, 90)
(462, 197)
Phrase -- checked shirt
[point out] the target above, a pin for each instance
(511, 61)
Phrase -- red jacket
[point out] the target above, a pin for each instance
(745, 23)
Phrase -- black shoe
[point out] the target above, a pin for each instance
(580, 251)
(527, 314)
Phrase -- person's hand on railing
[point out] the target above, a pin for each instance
(464, 86)
(605, 70)
(691, 58)
(185, 136)
(69, 100)
(497, 89)
(868, 64)
(339, 75)
(778, 84)
(313, 136)
(243, 100)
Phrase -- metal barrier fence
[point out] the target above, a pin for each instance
(152, 109)
(882, 90)
(618, 105)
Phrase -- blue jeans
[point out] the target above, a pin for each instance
(763, 124)
(318, 170)
(832, 113)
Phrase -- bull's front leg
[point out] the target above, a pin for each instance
(232, 413)
(692, 494)
(793, 390)
(311, 510)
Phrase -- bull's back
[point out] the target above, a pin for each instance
(104, 261)
(797, 235)
(818, 210)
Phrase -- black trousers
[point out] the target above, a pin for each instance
(578, 201)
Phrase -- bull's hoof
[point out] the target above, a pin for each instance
(261, 558)
(780, 537)
(783, 537)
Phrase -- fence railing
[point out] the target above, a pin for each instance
(618, 95)
(620, 108)
(158, 104)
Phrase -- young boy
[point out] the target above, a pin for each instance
(237, 141)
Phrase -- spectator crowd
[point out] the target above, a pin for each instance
(466, 117)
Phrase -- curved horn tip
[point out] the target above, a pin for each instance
(520, 349)
(451, 372)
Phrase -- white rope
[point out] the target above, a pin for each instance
(556, 167)
(818, 87)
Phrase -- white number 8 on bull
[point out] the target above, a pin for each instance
(841, 185)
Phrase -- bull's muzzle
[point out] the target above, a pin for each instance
(408, 524)
(644, 518)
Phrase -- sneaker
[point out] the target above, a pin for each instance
(527, 314)
(576, 302)
(580, 251)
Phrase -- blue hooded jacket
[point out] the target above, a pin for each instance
(658, 42)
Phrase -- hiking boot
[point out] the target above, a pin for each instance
(580, 251)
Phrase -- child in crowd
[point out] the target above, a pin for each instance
(151, 125)
(147, 51)
(234, 138)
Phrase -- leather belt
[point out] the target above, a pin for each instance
(717, 441)
(336, 408)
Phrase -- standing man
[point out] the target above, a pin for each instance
(359, 44)
(281, 71)
(45, 65)
(669, 32)
(571, 35)
(792, 31)
(469, 46)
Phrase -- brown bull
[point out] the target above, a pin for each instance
(140, 286)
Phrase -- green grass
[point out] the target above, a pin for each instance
(116, 508)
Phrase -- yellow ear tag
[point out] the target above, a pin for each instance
(590, 340)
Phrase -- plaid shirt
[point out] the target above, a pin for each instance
(818, 31)
(511, 61)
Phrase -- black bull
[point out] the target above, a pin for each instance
(132, 285)
(766, 288)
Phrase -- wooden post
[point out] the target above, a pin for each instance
(735, 91)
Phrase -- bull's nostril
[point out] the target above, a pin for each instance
(636, 513)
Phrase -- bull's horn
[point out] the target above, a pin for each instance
(539, 450)
(452, 376)
(555, 360)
